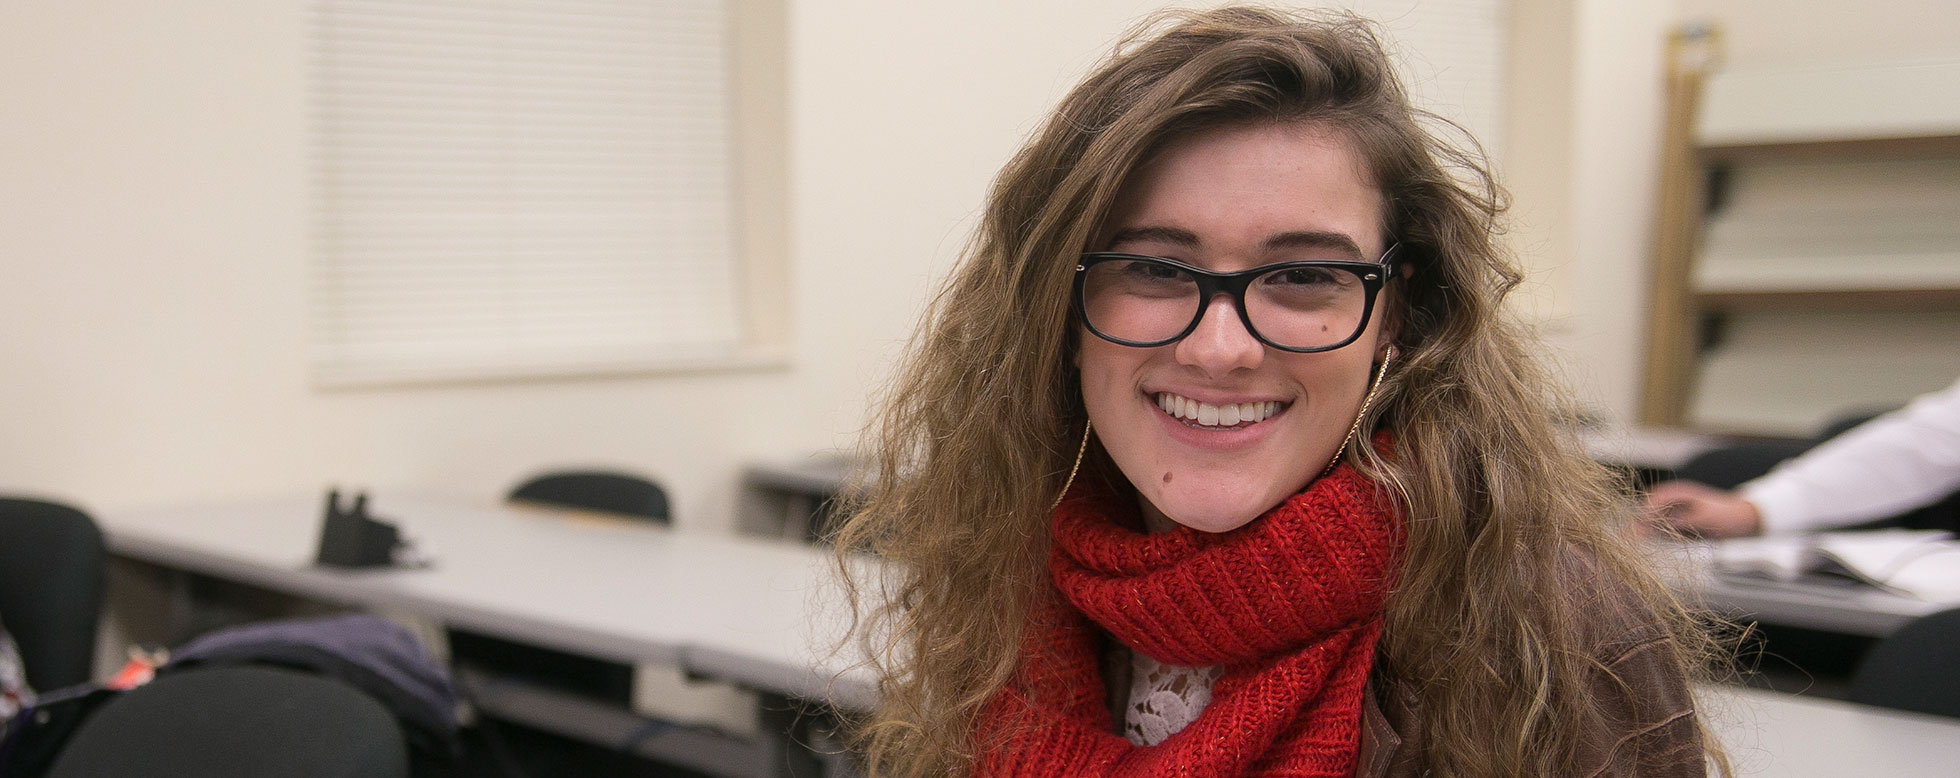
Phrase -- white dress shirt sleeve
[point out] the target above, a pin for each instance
(1884, 467)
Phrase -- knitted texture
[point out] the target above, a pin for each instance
(1289, 606)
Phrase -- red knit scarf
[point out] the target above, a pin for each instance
(1289, 605)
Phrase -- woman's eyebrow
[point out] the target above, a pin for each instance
(1304, 239)
(1170, 235)
(1316, 240)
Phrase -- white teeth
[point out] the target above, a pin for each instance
(1227, 415)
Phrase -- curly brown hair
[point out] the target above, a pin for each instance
(978, 431)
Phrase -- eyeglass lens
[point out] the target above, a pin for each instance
(1142, 301)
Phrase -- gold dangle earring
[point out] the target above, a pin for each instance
(1079, 450)
(1366, 401)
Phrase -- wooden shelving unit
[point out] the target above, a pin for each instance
(1805, 198)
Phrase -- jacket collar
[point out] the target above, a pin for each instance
(1381, 743)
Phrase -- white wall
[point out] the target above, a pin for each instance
(152, 242)
(152, 265)
(1615, 144)
(1536, 163)
(902, 114)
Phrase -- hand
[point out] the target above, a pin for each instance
(1695, 509)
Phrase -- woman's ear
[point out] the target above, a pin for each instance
(1391, 318)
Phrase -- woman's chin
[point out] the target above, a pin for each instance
(1213, 517)
(1220, 503)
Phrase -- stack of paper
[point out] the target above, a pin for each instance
(1920, 563)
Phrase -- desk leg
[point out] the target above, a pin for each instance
(784, 749)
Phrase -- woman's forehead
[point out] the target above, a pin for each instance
(1253, 188)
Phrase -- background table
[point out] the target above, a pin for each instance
(764, 613)
(1772, 735)
(757, 612)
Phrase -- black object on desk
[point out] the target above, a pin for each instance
(352, 538)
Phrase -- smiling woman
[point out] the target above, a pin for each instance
(1216, 457)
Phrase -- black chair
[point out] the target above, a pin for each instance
(608, 492)
(1917, 668)
(1728, 467)
(627, 495)
(237, 721)
(52, 569)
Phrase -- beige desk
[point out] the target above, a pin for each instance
(1771, 735)
(753, 611)
(762, 613)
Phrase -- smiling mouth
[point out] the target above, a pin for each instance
(1207, 416)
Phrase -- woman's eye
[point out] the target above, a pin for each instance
(1152, 271)
(1302, 276)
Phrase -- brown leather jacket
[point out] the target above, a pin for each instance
(1662, 737)
(1655, 730)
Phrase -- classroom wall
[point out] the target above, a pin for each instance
(152, 241)
(154, 251)
(152, 258)
(1614, 149)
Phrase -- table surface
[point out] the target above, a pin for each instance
(1776, 735)
(758, 611)
(763, 612)
(1654, 447)
(1821, 604)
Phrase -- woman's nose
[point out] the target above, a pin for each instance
(1221, 343)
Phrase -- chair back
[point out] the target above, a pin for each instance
(1916, 668)
(52, 569)
(1729, 466)
(240, 721)
(592, 490)
(597, 490)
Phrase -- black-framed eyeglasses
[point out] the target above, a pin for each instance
(1302, 307)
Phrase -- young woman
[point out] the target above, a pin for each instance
(1217, 457)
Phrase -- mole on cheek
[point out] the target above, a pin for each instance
(1167, 476)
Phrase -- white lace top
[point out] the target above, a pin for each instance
(1163, 698)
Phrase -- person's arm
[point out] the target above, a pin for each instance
(1889, 465)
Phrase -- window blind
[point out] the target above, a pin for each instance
(518, 188)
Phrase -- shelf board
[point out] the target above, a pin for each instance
(1791, 107)
(1900, 147)
(1923, 299)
